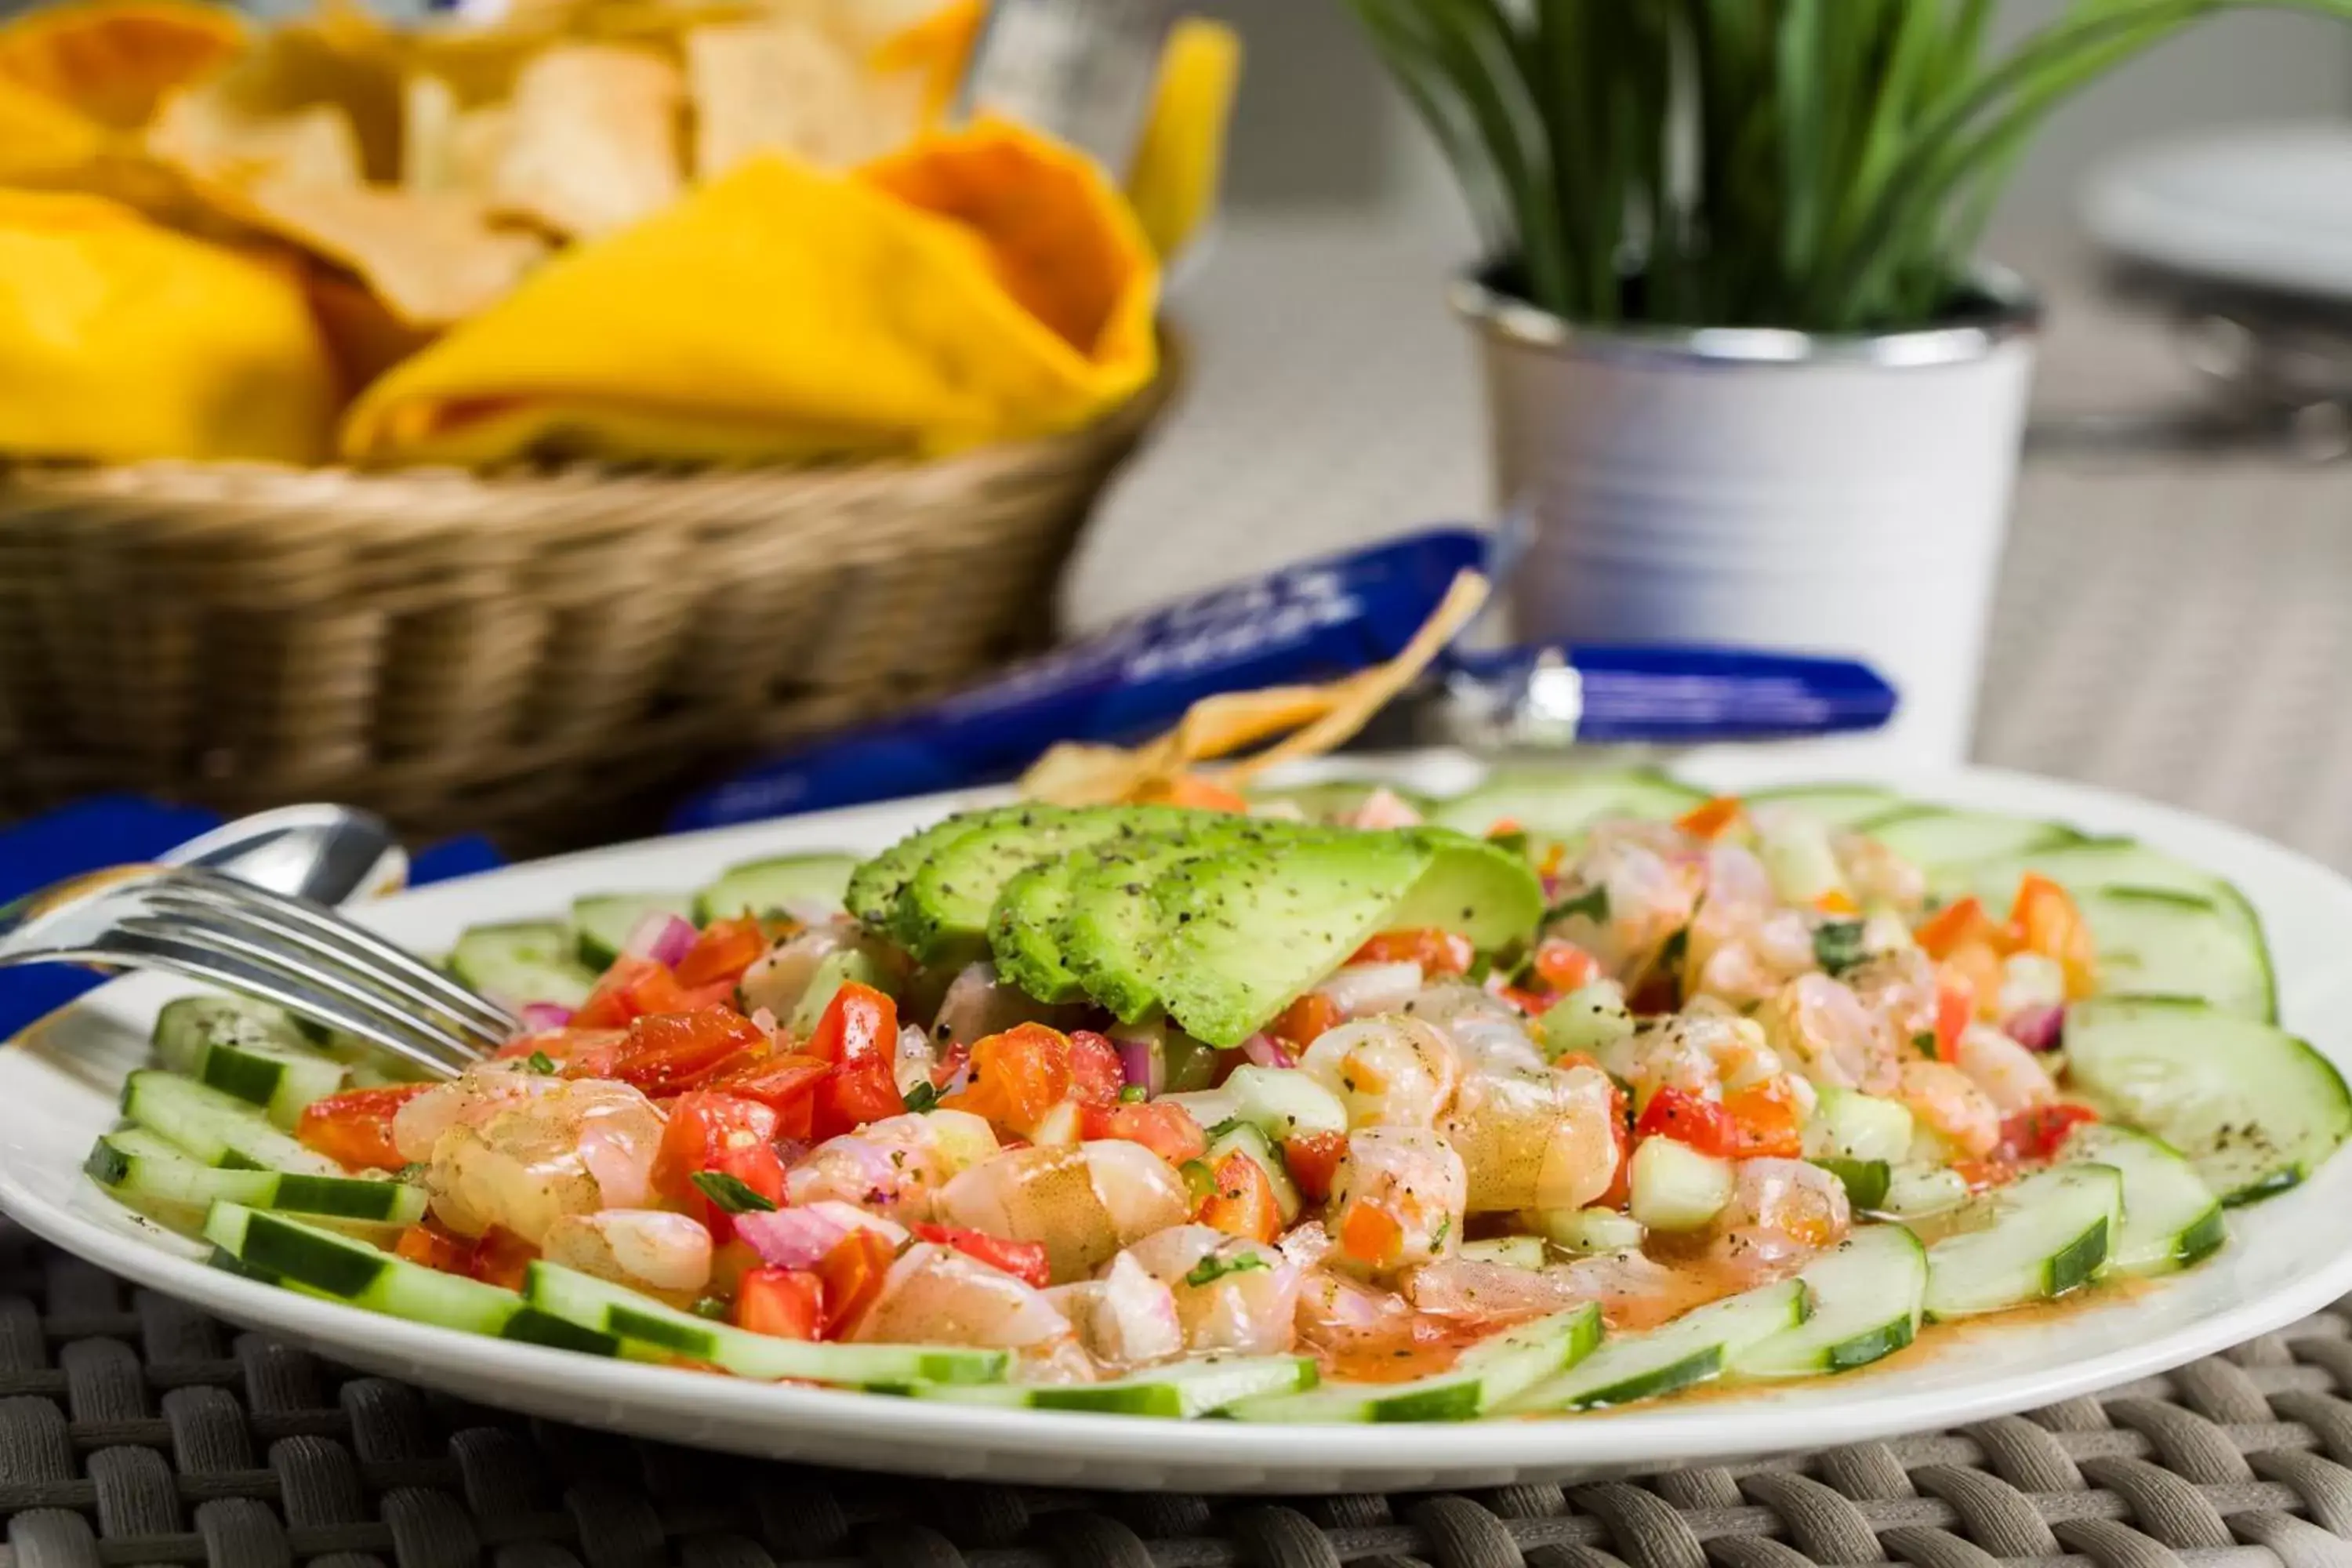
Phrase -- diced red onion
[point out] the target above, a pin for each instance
(1142, 1060)
(2041, 1028)
(763, 1020)
(664, 939)
(541, 1017)
(1265, 1051)
(789, 1238)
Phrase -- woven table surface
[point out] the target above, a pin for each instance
(2174, 625)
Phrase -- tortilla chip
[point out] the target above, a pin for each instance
(206, 133)
(432, 259)
(1319, 719)
(592, 145)
(364, 337)
(447, 146)
(787, 86)
(114, 61)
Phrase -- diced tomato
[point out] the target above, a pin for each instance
(1528, 1002)
(703, 1125)
(785, 1084)
(1168, 1130)
(1024, 1260)
(952, 1060)
(1313, 1160)
(1983, 1176)
(1713, 819)
(1196, 792)
(759, 1167)
(502, 1257)
(669, 1052)
(1017, 1078)
(2036, 1133)
(355, 1128)
(1768, 1121)
(632, 989)
(1563, 966)
(428, 1244)
(1956, 1009)
(786, 1302)
(1306, 1020)
(1096, 1074)
(1370, 1235)
(1437, 951)
(1241, 1201)
(1703, 1124)
(2047, 921)
(722, 952)
(858, 1034)
(1504, 827)
(1957, 925)
(852, 1273)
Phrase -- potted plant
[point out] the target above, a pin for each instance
(1746, 378)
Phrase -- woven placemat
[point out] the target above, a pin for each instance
(135, 1429)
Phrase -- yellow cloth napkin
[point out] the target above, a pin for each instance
(1180, 162)
(122, 340)
(981, 286)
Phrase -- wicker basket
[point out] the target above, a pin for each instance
(544, 656)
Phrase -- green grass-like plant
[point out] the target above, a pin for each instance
(1822, 165)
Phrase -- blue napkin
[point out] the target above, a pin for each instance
(112, 830)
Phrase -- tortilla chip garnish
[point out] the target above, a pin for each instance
(433, 259)
(204, 131)
(115, 61)
(1314, 719)
(592, 145)
(787, 86)
(447, 146)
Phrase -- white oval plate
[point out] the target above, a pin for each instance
(2288, 1258)
(2268, 206)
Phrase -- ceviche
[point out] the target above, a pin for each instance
(1338, 1105)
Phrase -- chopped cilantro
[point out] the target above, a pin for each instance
(413, 1172)
(540, 1062)
(1515, 840)
(1199, 1179)
(1212, 1268)
(1437, 1238)
(1134, 1094)
(1924, 1042)
(922, 1097)
(1230, 1124)
(1837, 945)
(712, 1307)
(1670, 956)
(1592, 904)
(732, 1193)
(1480, 967)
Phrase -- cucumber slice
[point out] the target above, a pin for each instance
(1560, 802)
(155, 1177)
(1283, 1102)
(843, 966)
(2034, 1239)
(2156, 942)
(2171, 1218)
(1866, 1296)
(1866, 1181)
(1915, 1191)
(1487, 1375)
(216, 1129)
(2253, 1109)
(321, 1263)
(187, 1028)
(799, 886)
(1938, 840)
(1511, 1251)
(1694, 1348)
(1834, 806)
(1847, 1124)
(530, 960)
(639, 1320)
(1245, 1140)
(1179, 1392)
(250, 1051)
(602, 924)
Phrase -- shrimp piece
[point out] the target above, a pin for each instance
(1084, 1202)
(936, 1295)
(521, 1160)
(1540, 1138)
(1636, 1292)
(1743, 945)
(2012, 1077)
(1398, 1198)
(1878, 877)
(1489, 1294)
(1706, 1054)
(1822, 1025)
(781, 977)
(1127, 1319)
(653, 1249)
(472, 1099)
(898, 1163)
(1948, 1102)
(1899, 987)
(1782, 1213)
(1649, 885)
(1484, 1030)
(1389, 1071)
(1384, 808)
(1231, 1293)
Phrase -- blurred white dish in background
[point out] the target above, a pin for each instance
(2265, 206)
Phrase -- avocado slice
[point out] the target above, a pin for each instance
(1109, 926)
(873, 887)
(1242, 932)
(1484, 890)
(944, 910)
(1022, 931)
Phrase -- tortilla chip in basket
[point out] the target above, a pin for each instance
(433, 258)
(205, 132)
(787, 86)
(592, 144)
(447, 145)
(113, 61)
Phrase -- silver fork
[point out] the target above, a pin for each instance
(306, 958)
